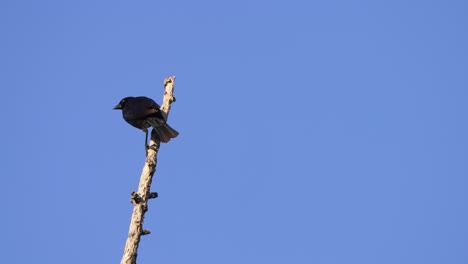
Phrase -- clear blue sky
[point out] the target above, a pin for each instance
(310, 131)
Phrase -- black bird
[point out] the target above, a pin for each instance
(142, 112)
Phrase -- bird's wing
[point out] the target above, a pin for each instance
(151, 108)
(150, 104)
(144, 113)
(144, 106)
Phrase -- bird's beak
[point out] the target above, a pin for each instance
(117, 107)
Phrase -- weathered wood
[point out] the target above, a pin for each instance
(141, 197)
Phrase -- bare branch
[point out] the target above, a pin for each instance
(141, 197)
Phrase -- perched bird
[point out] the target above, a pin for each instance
(142, 112)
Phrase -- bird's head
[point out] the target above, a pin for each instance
(122, 103)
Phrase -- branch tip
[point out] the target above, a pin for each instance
(169, 80)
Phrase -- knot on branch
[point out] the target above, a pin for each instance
(145, 232)
(153, 195)
(136, 198)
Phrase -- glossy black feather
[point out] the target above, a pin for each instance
(142, 113)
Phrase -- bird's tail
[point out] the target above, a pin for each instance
(166, 132)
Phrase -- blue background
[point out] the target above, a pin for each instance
(310, 131)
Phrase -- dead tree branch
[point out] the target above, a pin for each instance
(141, 197)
